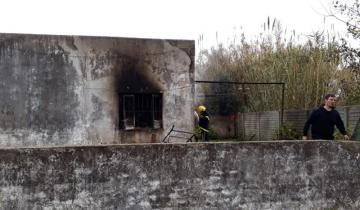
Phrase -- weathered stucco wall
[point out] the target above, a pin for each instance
(257, 175)
(63, 90)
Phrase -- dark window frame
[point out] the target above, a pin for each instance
(140, 111)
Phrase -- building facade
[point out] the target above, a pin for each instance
(81, 90)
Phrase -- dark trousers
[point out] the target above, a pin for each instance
(204, 136)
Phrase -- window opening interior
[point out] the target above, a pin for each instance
(141, 110)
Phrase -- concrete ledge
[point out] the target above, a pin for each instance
(248, 175)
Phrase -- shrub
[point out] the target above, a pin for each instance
(339, 136)
(287, 132)
(212, 134)
(309, 69)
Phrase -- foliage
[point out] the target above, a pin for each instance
(353, 97)
(310, 70)
(287, 132)
(349, 12)
(339, 136)
(356, 133)
(212, 133)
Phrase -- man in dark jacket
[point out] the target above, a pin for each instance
(204, 123)
(323, 120)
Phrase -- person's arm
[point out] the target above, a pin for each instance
(307, 124)
(340, 125)
(196, 116)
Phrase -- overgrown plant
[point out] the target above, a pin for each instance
(287, 132)
(339, 136)
(356, 133)
(310, 70)
(348, 12)
(213, 135)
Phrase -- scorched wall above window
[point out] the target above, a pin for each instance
(140, 100)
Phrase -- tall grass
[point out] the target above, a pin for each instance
(310, 70)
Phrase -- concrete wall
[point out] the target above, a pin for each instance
(258, 175)
(63, 90)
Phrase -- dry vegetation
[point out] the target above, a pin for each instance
(310, 69)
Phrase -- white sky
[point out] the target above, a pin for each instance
(168, 19)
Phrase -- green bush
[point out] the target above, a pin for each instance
(212, 134)
(287, 132)
(355, 135)
(339, 136)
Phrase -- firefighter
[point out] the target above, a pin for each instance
(203, 123)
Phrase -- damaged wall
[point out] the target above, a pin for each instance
(257, 175)
(58, 90)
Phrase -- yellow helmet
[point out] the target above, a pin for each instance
(201, 108)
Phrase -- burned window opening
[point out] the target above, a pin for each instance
(140, 110)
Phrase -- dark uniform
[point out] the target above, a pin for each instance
(204, 125)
